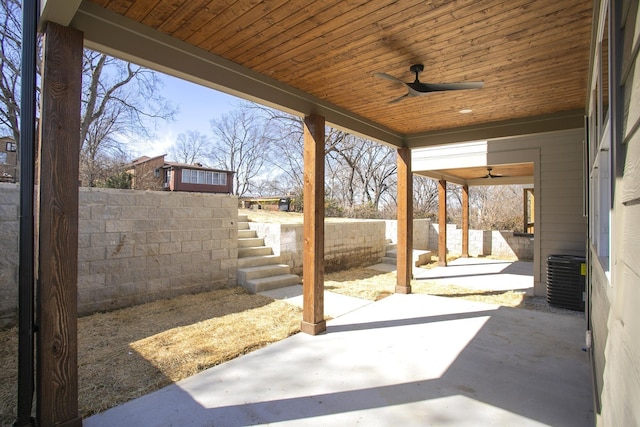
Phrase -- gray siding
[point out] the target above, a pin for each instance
(560, 224)
(615, 317)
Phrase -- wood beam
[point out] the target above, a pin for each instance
(465, 221)
(404, 261)
(525, 211)
(313, 321)
(442, 223)
(57, 219)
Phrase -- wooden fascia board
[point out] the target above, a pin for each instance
(572, 119)
(58, 11)
(123, 38)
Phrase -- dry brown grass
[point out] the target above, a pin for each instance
(131, 352)
(373, 285)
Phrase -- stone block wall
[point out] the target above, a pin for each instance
(421, 233)
(347, 245)
(135, 247)
(503, 244)
(9, 247)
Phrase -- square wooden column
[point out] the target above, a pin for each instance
(442, 223)
(465, 221)
(404, 261)
(57, 222)
(313, 321)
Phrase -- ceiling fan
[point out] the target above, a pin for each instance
(417, 88)
(490, 175)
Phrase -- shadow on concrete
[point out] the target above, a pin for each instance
(405, 360)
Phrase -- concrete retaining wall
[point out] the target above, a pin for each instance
(135, 247)
(9, 246)
(421, 233)
(347, 245)
(503, 244)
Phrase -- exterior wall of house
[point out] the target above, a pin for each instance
(148, 175)
(615, 281)
(558, 182)
(134, 247)
(178, 185)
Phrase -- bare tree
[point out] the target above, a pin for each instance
(10, 63)
(190, 147)
(425, 197)
(240, 145)
(120, 101)
(98, 149)
(496, 207)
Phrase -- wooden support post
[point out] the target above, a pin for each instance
(525, 211)
(57, 219)
(531, 225)
(313, 321)
(465, 221)
(404, 261)
(442, 223)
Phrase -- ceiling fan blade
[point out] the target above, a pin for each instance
(437, 87)
(389, 77)
(398, 99)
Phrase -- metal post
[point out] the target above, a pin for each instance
(30, 13)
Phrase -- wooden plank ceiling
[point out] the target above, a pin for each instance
(532, 56)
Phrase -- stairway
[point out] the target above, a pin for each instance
(420, 257)
(258, 269)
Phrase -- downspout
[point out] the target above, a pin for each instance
(30, 13)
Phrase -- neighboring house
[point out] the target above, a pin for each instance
(8, 159)
(154, 173)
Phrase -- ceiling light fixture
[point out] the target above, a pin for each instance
(465, 111)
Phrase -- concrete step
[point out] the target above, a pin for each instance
(250, 242)
(254, 251)
(391, 246)
(420, 257)
(251, 273)
(243, 225)
(269, 283)
(256, 261)
(243, 234)
(243, 218)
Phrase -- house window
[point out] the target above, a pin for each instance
(156, 172)
(600, 147)
(11, 147)
(3, 158)
(190, 176)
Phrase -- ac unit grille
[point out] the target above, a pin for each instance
(566, 281)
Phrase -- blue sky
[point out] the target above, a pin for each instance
(197, 106)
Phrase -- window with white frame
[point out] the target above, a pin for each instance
(600, 146)
(191, 176)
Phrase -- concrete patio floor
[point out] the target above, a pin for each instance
(410, 360)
